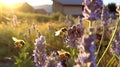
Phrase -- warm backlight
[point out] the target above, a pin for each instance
(9, 2)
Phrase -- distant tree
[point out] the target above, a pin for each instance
(24, 7)
(112, 7)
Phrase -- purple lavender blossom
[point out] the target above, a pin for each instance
(33, 27)
(14, 20)
(82, 56)
(105, 16)
(49, 27)
(52, 60)
(39, 52)
(90, 45)
(79, 25)
(86, 50)
(92, 9)
(74, 33)
(38, 33)
(59, 64)
(71, 22)
(67, 19)
(115, 47)
(29, 31)
(25, 37)
(117, 35)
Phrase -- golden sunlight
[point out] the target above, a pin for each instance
(9, 2)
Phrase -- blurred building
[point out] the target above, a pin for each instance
(41, 11)
(68, 7)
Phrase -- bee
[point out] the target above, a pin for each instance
(74, 30)
(62, 31)
(65, 56)
(18, 42)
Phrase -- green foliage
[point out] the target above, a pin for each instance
(29, 17)
(57, 16)
(6, 42)
(42, 18)
(24, 58)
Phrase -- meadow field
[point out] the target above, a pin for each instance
(35, 40)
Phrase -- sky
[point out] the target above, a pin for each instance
(31, 2)
(111, 1)
(44, 2)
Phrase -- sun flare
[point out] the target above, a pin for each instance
(10, 3)
(7, 2)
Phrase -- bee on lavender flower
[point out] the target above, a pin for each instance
(62, 31)
(65, 56)
(74, 30)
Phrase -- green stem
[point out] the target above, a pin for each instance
(101, 41)
(113, 35)
(90, 24)
(110, 61)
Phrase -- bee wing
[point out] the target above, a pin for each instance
(57, 33)
(61, 51)
(14, 39)
(58, 52)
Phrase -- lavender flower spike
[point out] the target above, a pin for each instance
(105, 16)
(115, 46)
(92, 9)
(52, 60)
(39, 52)
(86, 51)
